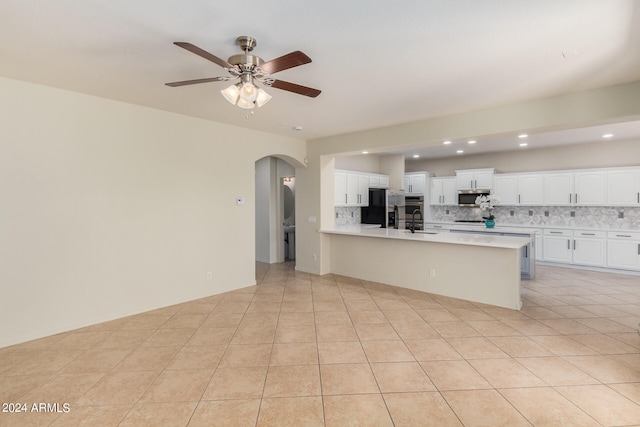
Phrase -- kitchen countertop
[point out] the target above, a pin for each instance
(488, 240)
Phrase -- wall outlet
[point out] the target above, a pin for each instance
(511, 213)
(621, 214)
(432, 272)
(546, 213)
(530, 212)
(209, 275)
(572, 214)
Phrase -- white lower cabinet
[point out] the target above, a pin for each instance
(623, 250)
(590, 248)
(579, 247)
(557, 246)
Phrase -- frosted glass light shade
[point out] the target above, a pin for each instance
(248, 92)
(247, 105)
(231, 93)
(263, 98)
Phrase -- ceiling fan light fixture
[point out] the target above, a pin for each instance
(246, 105)
(248, 92)
(231, 94)
(262, 98)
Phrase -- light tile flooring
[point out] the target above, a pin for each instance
(304, 350)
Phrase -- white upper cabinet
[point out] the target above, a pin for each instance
(559, 189)
(415, 183)
(623, 187)
(590, 188)
(443, 191)
(505, 186)
(340, 189)
(519, 189)
(352, 188)
(582, 188)
(475, 179)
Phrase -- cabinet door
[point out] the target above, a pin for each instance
(623, 187)
(559, 189)
(436, 191)
(340, 189)
(384, 181)
(557, 249)
(363, 190)
(374, 181)
(483, 180)
(590, 188)
(624, 254)
(506, 188)
(407, 184)
(465, 180)
(449, 191)
(352, 189)
(530, 190)
(589, 251)
(418, 183)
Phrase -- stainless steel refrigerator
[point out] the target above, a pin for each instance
(386, 207)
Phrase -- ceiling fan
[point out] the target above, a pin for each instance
(248, 69)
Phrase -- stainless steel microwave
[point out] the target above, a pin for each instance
(468, 197)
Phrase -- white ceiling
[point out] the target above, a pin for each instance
(377, 63)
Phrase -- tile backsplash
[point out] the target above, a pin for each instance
(557, 216)
(347, 215)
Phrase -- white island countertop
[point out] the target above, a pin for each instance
(489, 240)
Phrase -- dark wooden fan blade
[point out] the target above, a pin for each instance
(285, 62)
(195, 82)
(292, 87)
(203, 53)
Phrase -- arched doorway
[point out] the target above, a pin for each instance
(275, 210)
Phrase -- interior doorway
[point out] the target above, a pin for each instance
(274, 210)
(288, 189)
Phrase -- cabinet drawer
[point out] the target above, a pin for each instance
(590, 234)
(623, 235)
(554, 232)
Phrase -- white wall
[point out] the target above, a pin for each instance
(110, 209)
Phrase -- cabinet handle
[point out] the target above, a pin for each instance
(345, 197)
(587, 234)
(638, 248)
(622, 235)
(574, 244)
(555, 232)
(576, 197)
(569, 197)
(518, 198)
(638, 197)
(569, 244)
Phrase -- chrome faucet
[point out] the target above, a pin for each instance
(413, 219)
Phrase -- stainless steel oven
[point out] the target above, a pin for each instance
(414, 212)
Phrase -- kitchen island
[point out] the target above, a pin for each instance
(483, 268)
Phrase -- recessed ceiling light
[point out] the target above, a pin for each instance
(365, 152)
(607, 135)
(473, 141)
(297, 128)
(523, 135)
(415, 156)
(447, 142)
(523, 144)
(460, 151)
